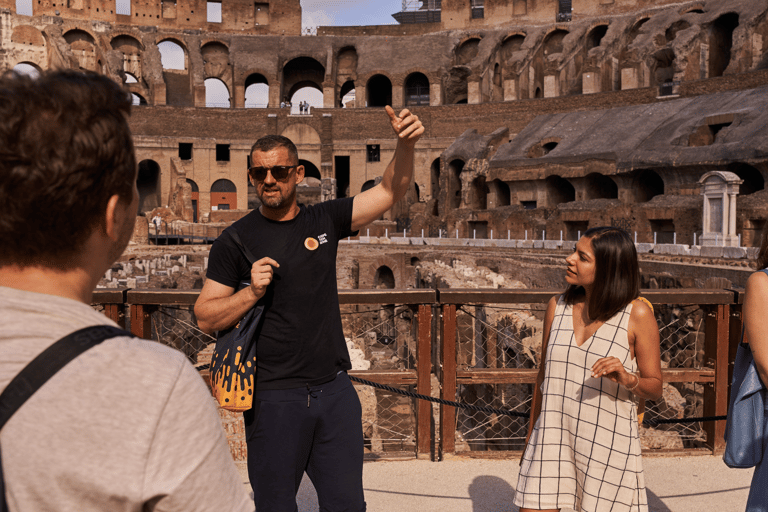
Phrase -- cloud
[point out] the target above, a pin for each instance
(319, 13)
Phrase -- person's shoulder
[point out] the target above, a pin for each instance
(642, 309)
(758, 282)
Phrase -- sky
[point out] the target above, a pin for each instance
(318, 13)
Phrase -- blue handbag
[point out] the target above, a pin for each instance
(744, 436)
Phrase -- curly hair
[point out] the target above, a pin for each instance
(65, 149)
(617, 273)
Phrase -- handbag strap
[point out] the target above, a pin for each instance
(236, 238)
(50, 361)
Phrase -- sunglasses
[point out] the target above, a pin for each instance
(279, 172)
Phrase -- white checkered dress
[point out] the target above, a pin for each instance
(584, 452)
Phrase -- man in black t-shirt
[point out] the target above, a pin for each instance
(306, 415)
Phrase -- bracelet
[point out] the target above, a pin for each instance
(637, 383)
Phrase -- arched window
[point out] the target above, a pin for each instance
(172, 55)
(601, 187)
(379, 91)
(595, 36)
(753, 178)
(223, 195)
(27, 69)
(148, 183)
(138, 99)
(554, 42)
(417, 89)
(648, 185)
(454, 187)
(256, 91)
(347, 94)
(721, 42)
(216, 93)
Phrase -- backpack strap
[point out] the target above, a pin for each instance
(236, 238)
(45, 366)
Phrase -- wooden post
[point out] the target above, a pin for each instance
(113, 312)
(141, 321)
(423, 383)
(716, 347)
(448, 392)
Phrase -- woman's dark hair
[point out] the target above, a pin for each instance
(762, 254)
(617, 273)
(65, 149)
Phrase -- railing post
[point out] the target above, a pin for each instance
(141, 321)
(716, 348)
(448, 388)
(112, 311)
(424, 440)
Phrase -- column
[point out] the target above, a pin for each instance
(732, 216)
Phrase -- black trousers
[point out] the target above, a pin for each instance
(317, 430)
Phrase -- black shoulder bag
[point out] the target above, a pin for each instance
(42, 368)
(233, 364)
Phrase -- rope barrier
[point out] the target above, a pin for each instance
(491, 410)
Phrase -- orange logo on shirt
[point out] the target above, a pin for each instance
(311, 244)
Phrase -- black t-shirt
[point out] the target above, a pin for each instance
(301, 340)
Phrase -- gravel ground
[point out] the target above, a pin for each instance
(675, 484)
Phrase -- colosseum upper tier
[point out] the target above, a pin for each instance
(541, 116)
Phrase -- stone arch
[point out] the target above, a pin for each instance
(27, 68)
(148, 183)
(378, 91)
(499, 192)
(173, 54)
(138, 99)
(663, 69)
(27, 35)
(753, 179)
(595, 36)
(301, 134)
(598, 186)
(310, 170)
(454, 183)
(559, 190)
(132, 49)
(223, 195)
(466, 50)
(195, 197)
(256, 91)
(416, 89)
(512, 44)
(368, 185)
(216, 93)
(553, 41)
(478, 194)
(647, 185)
(83, 46)
(215, 59)
(671, 33)
(721, 43)
(635, 30)
(347, 94)
(384, 278)
(302, 72)
(693, 9)
(346, 61)
(543, 147)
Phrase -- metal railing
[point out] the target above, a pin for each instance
(479, 347)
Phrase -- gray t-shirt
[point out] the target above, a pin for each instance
(127, 426)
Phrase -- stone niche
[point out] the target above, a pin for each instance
(719, 189)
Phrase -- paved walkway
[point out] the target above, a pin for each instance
(675, 484)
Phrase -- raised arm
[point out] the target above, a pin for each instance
(371, 204)
(754, 326)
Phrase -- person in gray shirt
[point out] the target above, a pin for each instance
(128, 425)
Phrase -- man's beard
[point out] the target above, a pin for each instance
(277, 202)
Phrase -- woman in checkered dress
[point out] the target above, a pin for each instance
(600, 350)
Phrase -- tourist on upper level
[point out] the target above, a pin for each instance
(129, 424)
(756, 334)
(599, 351)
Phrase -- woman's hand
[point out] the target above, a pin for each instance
(612, 369)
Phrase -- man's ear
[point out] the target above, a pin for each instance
(299, 174)
(111, 218)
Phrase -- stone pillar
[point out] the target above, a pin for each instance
(474, 96)
(239, 98)
(510, 90)
(550, 86)
(719, 189)
(360, 96)
(435, 94)
(274, 95)
(397, 96)
(590, 82)
(329, 95)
